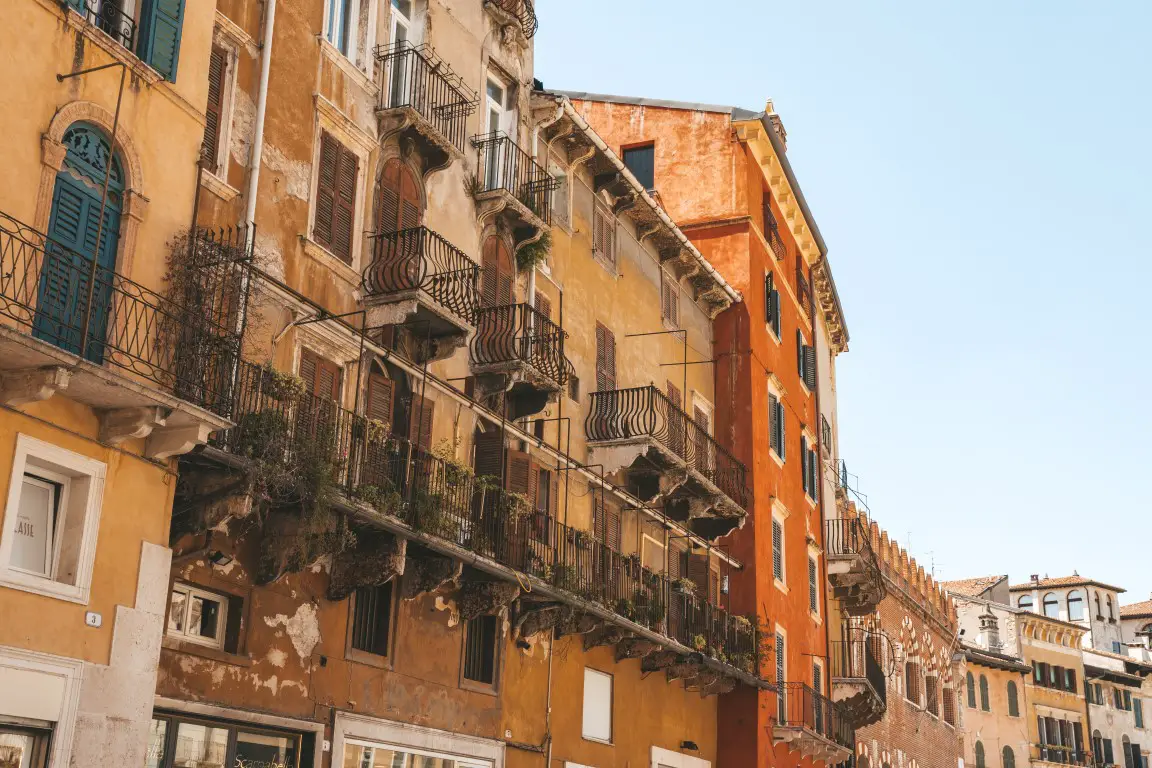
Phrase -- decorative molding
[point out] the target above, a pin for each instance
(219, 187)
(235, 34)
(343, 126)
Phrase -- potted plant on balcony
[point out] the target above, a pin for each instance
(279, 386)
(632, 564)
(684, 586)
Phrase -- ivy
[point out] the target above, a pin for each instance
(534, 254)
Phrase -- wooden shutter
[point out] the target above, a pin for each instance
(774, 423)
(804, 462)
(488, 455)
(522, 475)
(214, 111)
(669, 299)
(768, 298)
(777, 550)
(388, 198)
(326, 190)
(380, 397)
(800, 355)
(411, 209)
(496, 278)
(813, 601)
(810, 367)
(605, 359)
(420, 422)
(700, 572)
(783, 431)
(320, 374)
(603, 234)
(162, 22)
(344, 210)
(543, 305)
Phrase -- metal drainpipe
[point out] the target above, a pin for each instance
(261, 110)
(548, 701)
(820, 484)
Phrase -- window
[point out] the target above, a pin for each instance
(371, 619)
(980, 755)
(1013, 700)
(805, 362)
(949, 706)
(174, 742)
(1117, 647)
(912, 682)
(480, 636)
(497, 278)
(399, 204)
(1070, 680)
(778, 550)
(218, 71)
(574, 388)
(669, 300)
(197, 616)
(809, 468)
(931, 695)
(336, 181)
(772, 305)
(641, 161)
(50, 522)
(1099, 613)
(781, 704)
(813, 586)
(985, 704)
(604, 235)
(776, 424)
(1138, 711)
(605, 359)
(366, 754)
(1098, 747)
(1008, 758)
(338, 29)
(597, 705)
(970, 681)
(1051, 606)
(498, 116)
(161, 24)
(1127, 701)
(1108, 602)
(1025, 602)
(1075, 605)
(561, 196)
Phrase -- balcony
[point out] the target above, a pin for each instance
(438, 506)
(422, 99)
(858, 682)
(853, 567)
(518, 17)
(1052, 754)
(420, 280)
(518, 350)
(153, 366)
(107, 16)
(512, 186)
(812, 724)
(668, 456)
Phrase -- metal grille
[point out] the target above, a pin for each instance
(416, 78)
(520, 333)
(522, 10)
(480, 649)
(806, 708)
(106, 16)
(504, 165)
(372, 618)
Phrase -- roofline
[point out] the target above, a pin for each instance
(1085, 583)
(994, 660)
(640, 101)
(944, 584)
(1144, 615)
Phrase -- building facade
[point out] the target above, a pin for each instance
(1087, 603)
(1057, 709)
(107, 373)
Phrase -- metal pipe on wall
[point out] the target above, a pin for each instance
(254, 162)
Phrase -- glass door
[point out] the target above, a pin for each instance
(400, 79)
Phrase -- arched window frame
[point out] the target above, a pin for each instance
(1108, 602)
(1051, 600)
(1025, 602)
(1008, 758)
(970, 683)
(980, 762)
(985, 703)
(1013, 699)
(1076, 605)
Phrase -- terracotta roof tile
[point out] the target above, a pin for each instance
(1062, 581)
(1136, 610)
(972, 587)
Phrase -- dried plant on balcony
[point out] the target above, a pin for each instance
(684, 586)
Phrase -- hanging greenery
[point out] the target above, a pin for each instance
(534, 254)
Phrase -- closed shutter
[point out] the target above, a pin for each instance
(1109, 756)
(800, 355)
(411, 209)
(388, 198)
(420, 422)
(773, 423)
(496, 277)
(214, 111)
(1138, 710)
(780, 659)
(700, 572)
(813, 602)
(804, 454)
(322, 376)
(676, 425)
(783, 424)
(777, 550)
(604, 234)
(768, 298)
(669, 300)
(810, 367)
(344, 211)
(326, 190)
(817, 679)
(605, 359)
(161, 23)
(488, 455)
(380, 394)
(543, 305)
(522, 475)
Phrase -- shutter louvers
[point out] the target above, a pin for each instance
(543, 305)
(520, 473)
(699, 572)
(162, 24)
(488, 454)
(800, 355)
(388, 198)
(804, 462)
(410, 207)
(344, 207)
(813, 603)
(768, 312)
(214, 111)
(614, 528)
(783, 432)
(777, 550)
(773, 423)
(326, 190)
(810, 367)
(380, 394)
(308, 360)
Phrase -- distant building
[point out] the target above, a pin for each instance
(1084, 602)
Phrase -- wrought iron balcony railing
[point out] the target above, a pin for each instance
(799, 706)
(107, 16)
(855, 659)
(520, 333)
(846, 536)
(772, 232)
(646, 412)
(437, 498)
(415, 77)
(803, 288)
(187, 343)
(1054, 753)
(419, 259)
(505, 166)
(522, 10)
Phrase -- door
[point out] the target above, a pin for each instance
(398, 262)
(67, 267)
(499, 117)
(319, 416)
(496, 331)
(378, 468)
(676, 422)
(403, 78)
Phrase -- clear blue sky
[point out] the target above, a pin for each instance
(982, 174)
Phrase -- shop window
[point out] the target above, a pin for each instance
(364, 754)
(175, 743)
(197, 616)
(51, 519)
(480, 649)
(597, 724)
(372, 619)
(23, 748)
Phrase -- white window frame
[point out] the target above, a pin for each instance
(504, 110)
(664, 758)
(596, 674)
(191, 591)
(223, 39)
(58, 487)
(83, 496)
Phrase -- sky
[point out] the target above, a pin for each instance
(982, 175)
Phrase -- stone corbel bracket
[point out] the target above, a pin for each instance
(437, 154)
(33, 385)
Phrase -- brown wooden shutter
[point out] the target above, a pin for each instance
(410, 206)
(520, 479)
(344, 209)
(699, 572)
(613, 527)
(420, 422)
(326, 190)
(605, 359)
(214, 111)
(554, 496)
(308, 360)
(380, 397)
(388, 198)
(489, 454)
(543, 305)
(320, 374)
(496, 273)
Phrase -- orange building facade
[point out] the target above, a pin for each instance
(724, 178)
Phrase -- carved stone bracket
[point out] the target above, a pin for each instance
(485, 598)
(686, 668)
(578, 623)
(124, 423)
(377, 558)
(658, 660)
(719, 687)
(436, 151)
(426, 572)
(33, 385)
(176, 440)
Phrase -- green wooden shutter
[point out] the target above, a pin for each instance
(804, 456)
(778, 550)
(773, 423)
(813, 601)
(810, 367)
(800, 354)
(783, 432)
(768, 312)
(160, 42)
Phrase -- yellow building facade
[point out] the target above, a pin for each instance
(1057, 710)
(104, 376)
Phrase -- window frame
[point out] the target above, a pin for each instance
(670, 304)
(611, 682)
(360, 146)
(602, 216)
(814, 584)
(86, 479)
(780, 576)
(360, 655)
(912, 674)
(492, 688)
(219, 172)
(1045, 602)
(641, 146)
(191, 591)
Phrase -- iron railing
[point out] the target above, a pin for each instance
(1054, 753)
(415, 77)
(623, 414)
(187, 342)
(419, 259)
(799, 706)
(275, 423)
(505, 166)
(522, 10)
(803, 288)
(854, 658)
(520, 333)
(846, 536)
(107, 16)
(772, 232)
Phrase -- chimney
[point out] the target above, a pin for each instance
(989, 631)
(1035, 578)
(777, 123)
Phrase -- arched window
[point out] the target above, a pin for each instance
(1051, 605)
(497, 275)
(984, 704)
(971, 685)
(1129, 761)
(1099, 613)
(398, 204)
(1013, 700)
(912, 681)
(1108, 600)
(1008, 758)
(1098, 747)
(980, 755)
(1025, 602)
(1075, 605)
(76, 203)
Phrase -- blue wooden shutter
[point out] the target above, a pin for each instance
(773, 423)
(160, 39)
